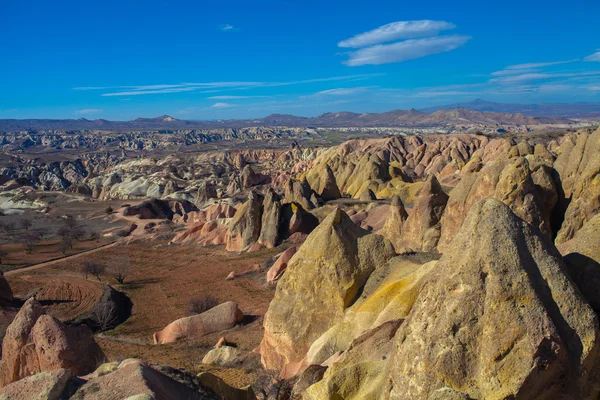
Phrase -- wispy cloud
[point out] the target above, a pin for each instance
(343, 91)
(405, 50)
(233, 97)
(211, 87)
(593, 57)
(529, 67)
(532, 77)
(395, 31)
(87, 111)
(221, 105)
(227, 28)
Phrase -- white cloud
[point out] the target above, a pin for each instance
(532, 77)
(593, 57)
(227, 28)
(87, 111)
(233, 97)
(221, 105)
(405, 50)
(540, 65)
(395, 31)
(211, 87)
(143, 92)
(344, 91)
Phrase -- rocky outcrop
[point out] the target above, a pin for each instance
(582, 256)
(510, 181)
(248, 178)
(159, 209)
(394, 223)
(422, 229)
(279, 267)
(206, 192)
(6, 294)
(134, 379)
(222, 355)
(222, 317)
(244, 229)
(578, 166)
(41, 386)
(498, 318)
(323, 278)
(35, 342)
(301, 193)
(269, 231)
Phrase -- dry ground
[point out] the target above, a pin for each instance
(163, 279)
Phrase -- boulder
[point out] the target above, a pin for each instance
(41, 386)
(244, 228)
(269, 231)
(277, 269)
(422, 229)
(35, 342)
(223, 390)
(112, 310)
(499, 318)
(137, 380)
(219, 318)
(322, 279)
(394, 222)
(222, 356)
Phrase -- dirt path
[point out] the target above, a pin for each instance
(58, 260)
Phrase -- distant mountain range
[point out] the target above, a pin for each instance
(398, 118)
(561, 110)
(476, 112)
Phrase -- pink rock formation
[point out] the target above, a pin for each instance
(222, 317)
(280, 265)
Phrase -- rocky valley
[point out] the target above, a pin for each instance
(337, 262)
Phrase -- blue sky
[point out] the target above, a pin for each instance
(241, 59)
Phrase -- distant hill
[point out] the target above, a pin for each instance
(396, 118)
(560, 110)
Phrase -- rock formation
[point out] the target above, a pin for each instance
(422, 229)
(394, 222)
(323, 279)
(578, 166)
(301, 193)
(224, 316)
(35, 342)
(279, 267)
(244, 228)
(499, 318)
(41, 386)
(269, 231)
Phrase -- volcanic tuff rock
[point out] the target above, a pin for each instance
(244, 228)
(498, 318)
(224, 316)
(278, 268)
(301, 193)
(134, 379)
(35, 342)
(578, 166)
(394, 223)
(323, 278)
(41, 386)
(422, 229)
(510, 181)
(269, 231)
(582, 256)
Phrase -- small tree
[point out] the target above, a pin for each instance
(71, 222)
(26, 224)
(120, 272)
(2, 255)
(105, 315)
(93, 268)
(65, 245)
(43, 233)
(30, 241)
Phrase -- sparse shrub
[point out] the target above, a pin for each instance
(2, 255)
(65, 245)
(105, 315)
(94, 235)
(30, 241)
(109, 210)
(198, 305)
(92, 268)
